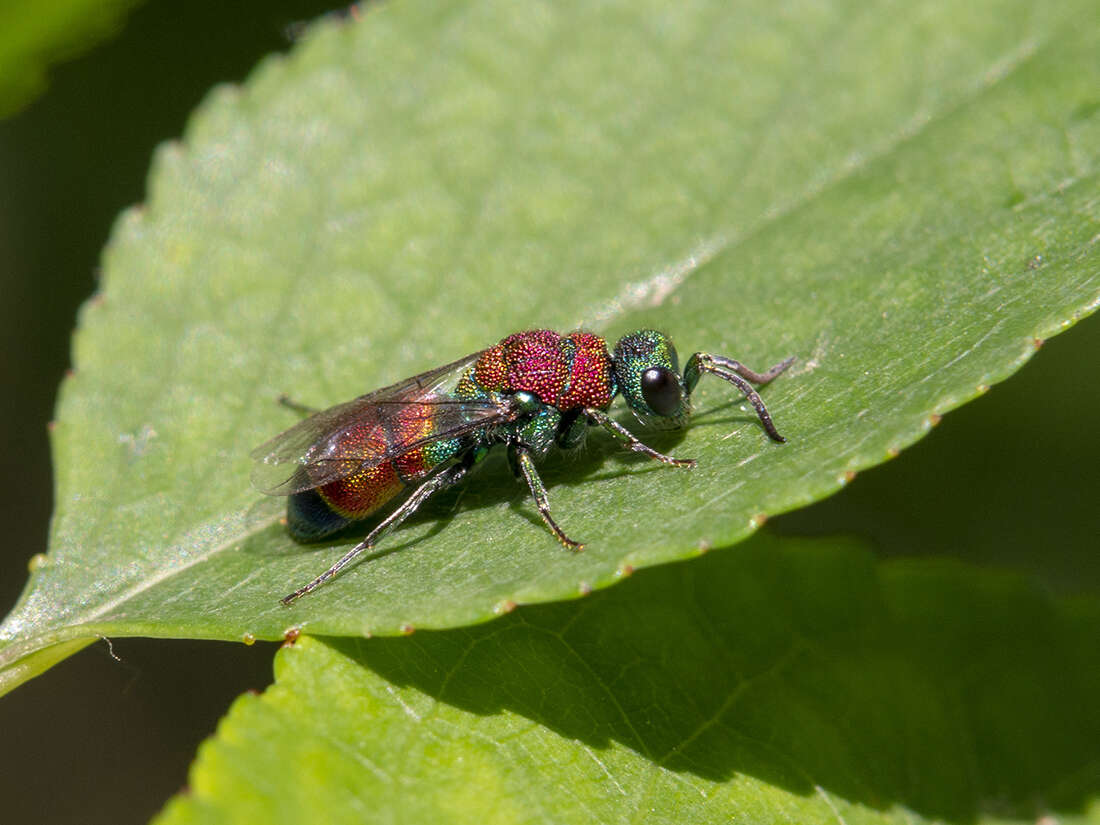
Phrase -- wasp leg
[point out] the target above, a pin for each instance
(571, 430)
(445, 479)
(630, 441)
(291, 404)
(523, 464)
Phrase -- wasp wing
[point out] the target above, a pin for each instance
(372, 429)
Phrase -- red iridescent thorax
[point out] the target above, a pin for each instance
(563, 371)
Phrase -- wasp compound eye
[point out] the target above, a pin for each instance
(661, 391)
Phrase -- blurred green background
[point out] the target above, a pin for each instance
(102, 740)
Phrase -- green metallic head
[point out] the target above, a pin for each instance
(648, 374)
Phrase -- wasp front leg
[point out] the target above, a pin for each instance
(630, 441)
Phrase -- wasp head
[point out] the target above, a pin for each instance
(648, 374)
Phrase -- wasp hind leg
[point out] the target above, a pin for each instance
(450, 476)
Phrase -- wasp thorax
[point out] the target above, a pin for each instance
(648, 373)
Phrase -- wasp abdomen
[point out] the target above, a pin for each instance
(319, 512)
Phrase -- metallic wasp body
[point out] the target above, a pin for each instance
(533, 390)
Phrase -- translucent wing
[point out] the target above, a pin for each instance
(372, 429)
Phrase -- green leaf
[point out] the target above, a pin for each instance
(791, 681)
(34, 35)
(903, 198)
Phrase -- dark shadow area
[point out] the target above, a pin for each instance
(97, 740)
(949, 690)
